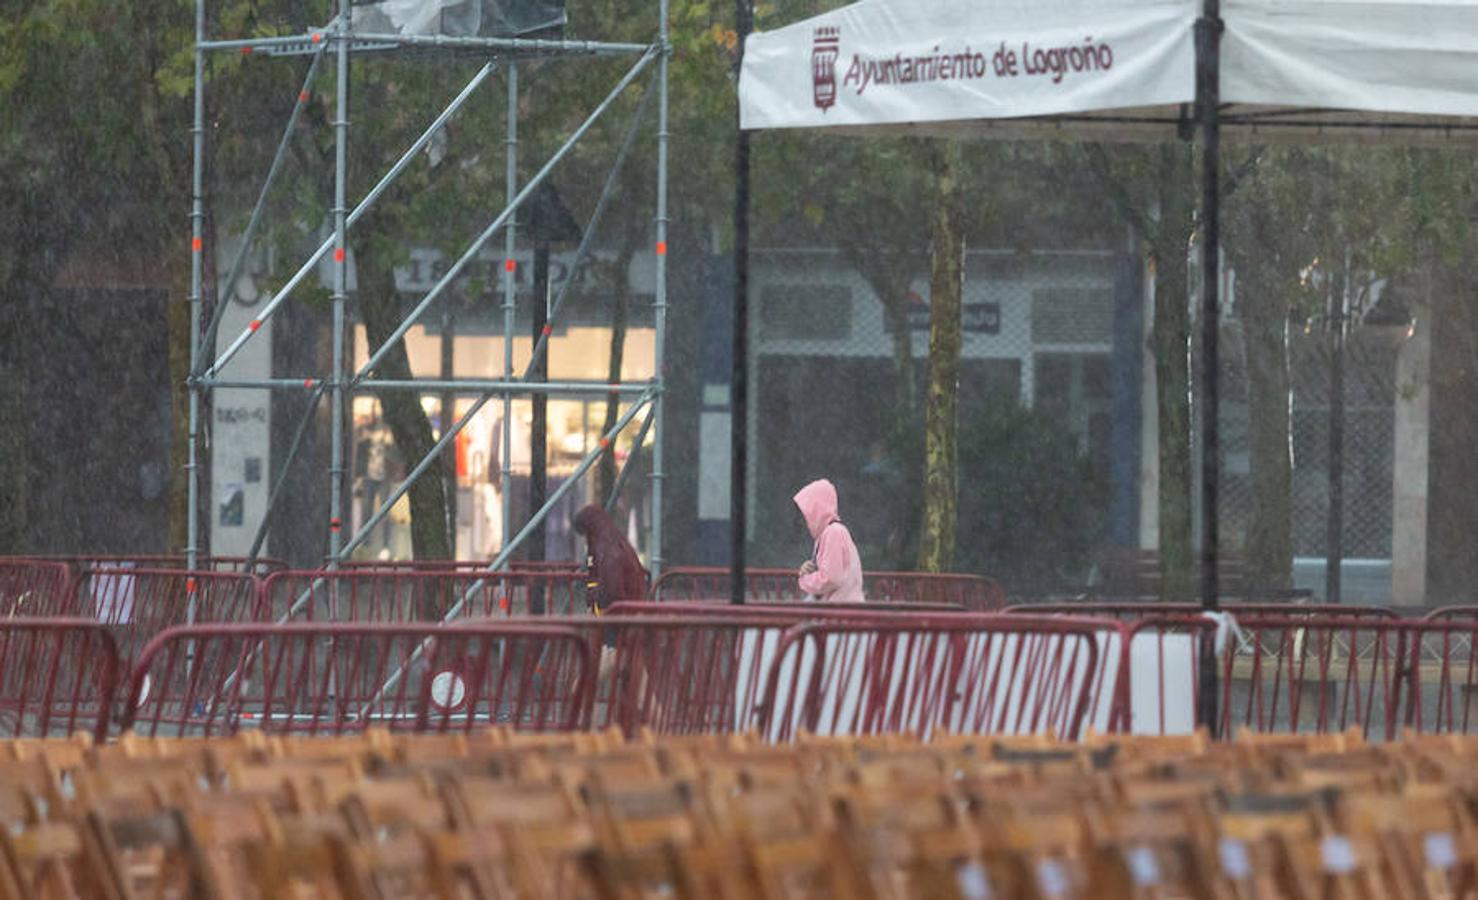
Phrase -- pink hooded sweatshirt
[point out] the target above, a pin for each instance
(838, 575)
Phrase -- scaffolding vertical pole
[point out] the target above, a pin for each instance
(1208, 100)
(341, 285)
(510, 289)
(659, 300)
(197, 271)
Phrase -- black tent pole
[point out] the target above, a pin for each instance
(1208, 99)
(739, 377)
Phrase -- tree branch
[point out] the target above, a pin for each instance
(1118, 193)
(1247, 170)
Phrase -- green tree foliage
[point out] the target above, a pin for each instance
(91, 143)
(1303, 224)
(1154, 190)
(1035, 508)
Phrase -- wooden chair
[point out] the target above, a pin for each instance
(27, 788)
(402, 865)
(1347, 866)
(300, 856)
(402, 804)
(477, 864)
(62, 754)
(356, 747)
(638, 764)
(889, 834)
(1250, 744)
(1149, 853)
(150, 854)
(802, 866)
(1426, 836)
(636, 873)
(628, 816)
(1254, 846)
(229, 832)
(306, 784)
(136, 784)
(1042, 854)
(1133, 749)
(51, 861)
(543, 828)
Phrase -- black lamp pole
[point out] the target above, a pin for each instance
(739, 377)
(1335, 533)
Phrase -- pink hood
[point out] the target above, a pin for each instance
(817, 502)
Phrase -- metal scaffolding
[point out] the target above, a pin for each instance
(338, 40)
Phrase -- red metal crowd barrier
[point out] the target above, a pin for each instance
(1133, 610)
(1451, 613)
(974, 674)
(706, 667)
(1309, 669)
(688, 674)
(711, 583)
(138, 604)
(463, 565)
(1443, 673)
(230, 564)
(684, 668)
(796, 612)
(395, 595)
(32, 587)
(974, 592)
(313, 678)
(1319, 674)
(58, 676)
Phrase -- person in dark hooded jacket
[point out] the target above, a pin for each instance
(616, 572)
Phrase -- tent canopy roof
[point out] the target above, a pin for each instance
(1121, 69)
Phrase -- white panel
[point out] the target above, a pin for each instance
(714, 447)
(241, 431)
(880, 62)
(1352, 54)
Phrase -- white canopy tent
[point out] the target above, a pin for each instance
(1106, 69)
(1399, 71)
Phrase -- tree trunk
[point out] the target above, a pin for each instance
(1269, 545)
(403, 413)
(177, 321)
(13, 430)
(1171, 339)
(946, 284)
(606, 480)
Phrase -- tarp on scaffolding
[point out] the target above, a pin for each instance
(1118, 68)
(459, 18)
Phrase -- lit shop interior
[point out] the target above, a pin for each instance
(574, 426)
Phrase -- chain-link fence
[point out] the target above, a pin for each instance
(838, 393)
(1367, 450)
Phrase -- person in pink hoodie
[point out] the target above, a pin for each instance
(833, 574)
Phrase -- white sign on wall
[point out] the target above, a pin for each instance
(241, 428)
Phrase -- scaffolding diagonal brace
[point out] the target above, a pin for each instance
(248, 237)
(369, 200)
(541, 347)
(502, 558)
(456, 268)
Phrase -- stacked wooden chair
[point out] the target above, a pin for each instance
(493, 814)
